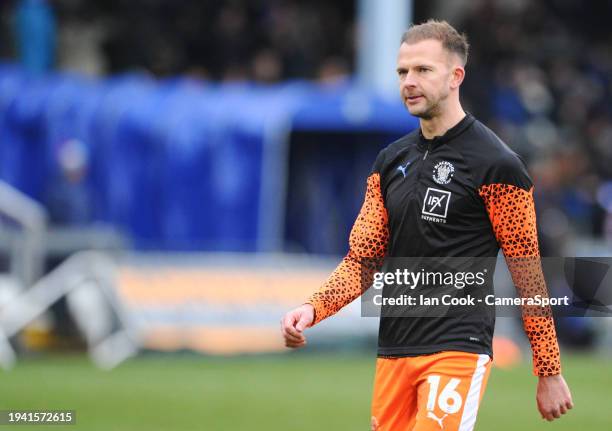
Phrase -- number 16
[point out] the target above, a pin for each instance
(449, 400)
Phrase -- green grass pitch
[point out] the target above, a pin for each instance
(297, 391)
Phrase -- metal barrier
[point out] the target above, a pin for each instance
(86, 279)
(26, 246)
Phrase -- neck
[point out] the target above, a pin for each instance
(438, 125)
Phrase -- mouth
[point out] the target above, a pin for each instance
(414, 99)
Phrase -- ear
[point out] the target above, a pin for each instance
(457, 75)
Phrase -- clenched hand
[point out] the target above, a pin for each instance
(294, 323)
(553, 397)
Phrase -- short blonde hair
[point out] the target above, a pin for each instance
(451, 39)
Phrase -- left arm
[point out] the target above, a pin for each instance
(511, 211)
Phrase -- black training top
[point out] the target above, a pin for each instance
(431, 190)
(463, 194)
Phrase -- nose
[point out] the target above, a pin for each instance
(408, 81)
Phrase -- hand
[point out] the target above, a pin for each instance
(294, 323)
(553, 397)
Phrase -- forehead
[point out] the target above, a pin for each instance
(425, 51)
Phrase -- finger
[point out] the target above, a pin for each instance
(562, 409)
(290, 337)
(286, 334)
(569, 404)
(301, 325)
(289, 323)
(294, 345)
(547, 414)
(556, 414)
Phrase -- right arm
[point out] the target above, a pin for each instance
(367, 248)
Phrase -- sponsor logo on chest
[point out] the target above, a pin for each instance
(435, 205)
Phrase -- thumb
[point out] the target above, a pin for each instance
(302, 323)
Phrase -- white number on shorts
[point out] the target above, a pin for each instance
(449, 400)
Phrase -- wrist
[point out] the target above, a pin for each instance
(549, 378)
(310, 309)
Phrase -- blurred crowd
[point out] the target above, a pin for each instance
(539, 73)
(262, 40)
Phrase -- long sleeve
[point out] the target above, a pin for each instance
(367, 248)
(512, 213)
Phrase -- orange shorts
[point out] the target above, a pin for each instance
(439, 392)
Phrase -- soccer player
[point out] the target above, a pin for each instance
(451, 188)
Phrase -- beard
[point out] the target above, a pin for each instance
(428, 109)
(427, 112)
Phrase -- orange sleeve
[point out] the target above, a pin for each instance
(367, 248)
(512, 213)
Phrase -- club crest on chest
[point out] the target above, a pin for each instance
(443, 172)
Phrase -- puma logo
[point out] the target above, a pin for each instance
(402, 169)
(431, 415)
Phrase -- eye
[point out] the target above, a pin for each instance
(422, 69)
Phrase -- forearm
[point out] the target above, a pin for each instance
(512, 213)
(538, 321)
(348, 281)
(367, 248)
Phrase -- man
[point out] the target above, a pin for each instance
(450, 189)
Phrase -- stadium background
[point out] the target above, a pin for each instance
(176, 175)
